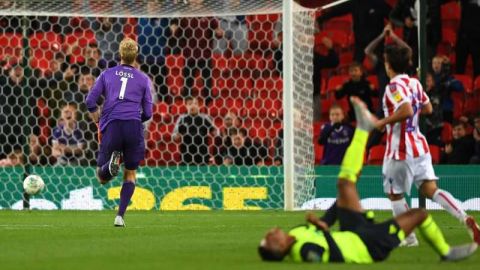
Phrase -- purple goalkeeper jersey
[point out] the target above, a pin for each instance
(127, 94)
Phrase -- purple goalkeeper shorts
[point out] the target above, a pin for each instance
(125, 136)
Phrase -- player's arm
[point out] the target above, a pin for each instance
(403, 112)
(176, 135)
(401, 104)
(147, 103)
(92, 98)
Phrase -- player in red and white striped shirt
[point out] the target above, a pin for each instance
(407, 158)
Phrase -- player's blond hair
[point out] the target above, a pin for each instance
(128, 50)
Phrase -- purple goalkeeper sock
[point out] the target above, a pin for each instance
(104, 173)
(125, 195)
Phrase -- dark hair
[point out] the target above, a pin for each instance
(189, 98)
(398, 58)
(459, 123)
(235, 131)
(270, 255)
(355, 64)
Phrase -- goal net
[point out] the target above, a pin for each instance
(232, 122)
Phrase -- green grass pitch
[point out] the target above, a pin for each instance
(176, 240)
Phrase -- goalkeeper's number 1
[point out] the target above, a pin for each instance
(123, 88)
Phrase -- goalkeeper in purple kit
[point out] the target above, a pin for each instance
(127, 103)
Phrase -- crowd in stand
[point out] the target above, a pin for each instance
(217, 83)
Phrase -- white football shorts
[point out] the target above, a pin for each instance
(399, 175)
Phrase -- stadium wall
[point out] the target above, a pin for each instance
(201, 188)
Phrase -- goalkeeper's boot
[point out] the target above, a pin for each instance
(473, 229)
(119, 222)
(458, 253)
(114, 163)
(365, 120)
(410, 241)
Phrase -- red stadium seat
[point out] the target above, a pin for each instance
(318, 153)
(376, 154)
(336, 81)
(458, 104)
(81, 39)
(447, 131)
(261, 30)
(11, 47)
(435, 153)
(343, 23)
(450, 11)
(339, 38)
(449, 36)
(373, 80)
(175, 80)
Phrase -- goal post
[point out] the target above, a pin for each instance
(249, 63)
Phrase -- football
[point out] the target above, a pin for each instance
(33, 184)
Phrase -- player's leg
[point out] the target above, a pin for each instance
(108, 159)
(450, 204)
(444, 198)
(134, 151)
(397, 179)
(353, 160)
(419, 218)
(126, 193)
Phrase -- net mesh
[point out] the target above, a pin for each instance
(303, 156)
(230, 63)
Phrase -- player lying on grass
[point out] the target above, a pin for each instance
(128, 103)
(359, 240)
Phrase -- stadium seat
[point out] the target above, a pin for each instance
(342, 23)
(466, 80)
(376, 154)
(449, 37)
(232, 87)
(11, 47)
(373, 80)
(81, 39)
(318, 153)
(340, 38)
(175, 80)
(458, 104)
(450, 14)
(336, 81)
(446, 135)
(161, 112)
(261, 30)
(435, 153)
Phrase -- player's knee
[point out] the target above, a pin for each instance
(428, 188)
(395, 197)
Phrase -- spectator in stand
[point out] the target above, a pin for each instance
(13, 159)
(476, 136)
(335, 137)
(357, 86)
(68, 144)
(234, 35)
(375, 53)
(368, 21)
(13, 101)
(446, 83)
(468, 39)
(39, 154)
(223, 141)
(278, 158)
(193, 131)
(434, 121)
(243, 151)
(93, 63)
(404, 14)
(461, 150)
(194, 37)
(375, 50)
(322, 61)
(108, 34)
(153, 35)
